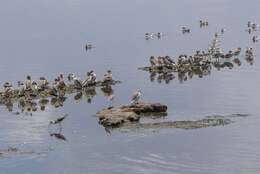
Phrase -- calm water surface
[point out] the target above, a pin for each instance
(45, 38)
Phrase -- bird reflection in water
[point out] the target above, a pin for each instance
(108, 92)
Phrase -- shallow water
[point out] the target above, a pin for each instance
(45, 38)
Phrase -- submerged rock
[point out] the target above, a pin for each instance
(208, 121)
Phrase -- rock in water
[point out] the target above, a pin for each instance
(115, 117)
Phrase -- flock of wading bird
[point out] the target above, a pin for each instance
(165, 68)
(29, 91)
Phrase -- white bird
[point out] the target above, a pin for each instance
(136, 96)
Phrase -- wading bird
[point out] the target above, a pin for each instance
(58, 120)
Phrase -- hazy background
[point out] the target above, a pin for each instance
(45, 38)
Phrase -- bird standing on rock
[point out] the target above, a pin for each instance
(135, 97)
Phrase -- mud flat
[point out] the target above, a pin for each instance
(117, 116)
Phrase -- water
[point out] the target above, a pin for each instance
(45, 38)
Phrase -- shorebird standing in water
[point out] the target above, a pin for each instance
(237, 51)
(160, 61)
(58, 120)
(203, 23)
(28, 82)
(222, 30)
(135, 97)
(43, 83)
(185, 30)
(90, 79)
(77, 82)
(88, 46)
(8, 89)
(255, 39)
(21, 88)
(108, 76)
(153, 61)
(70, 77)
